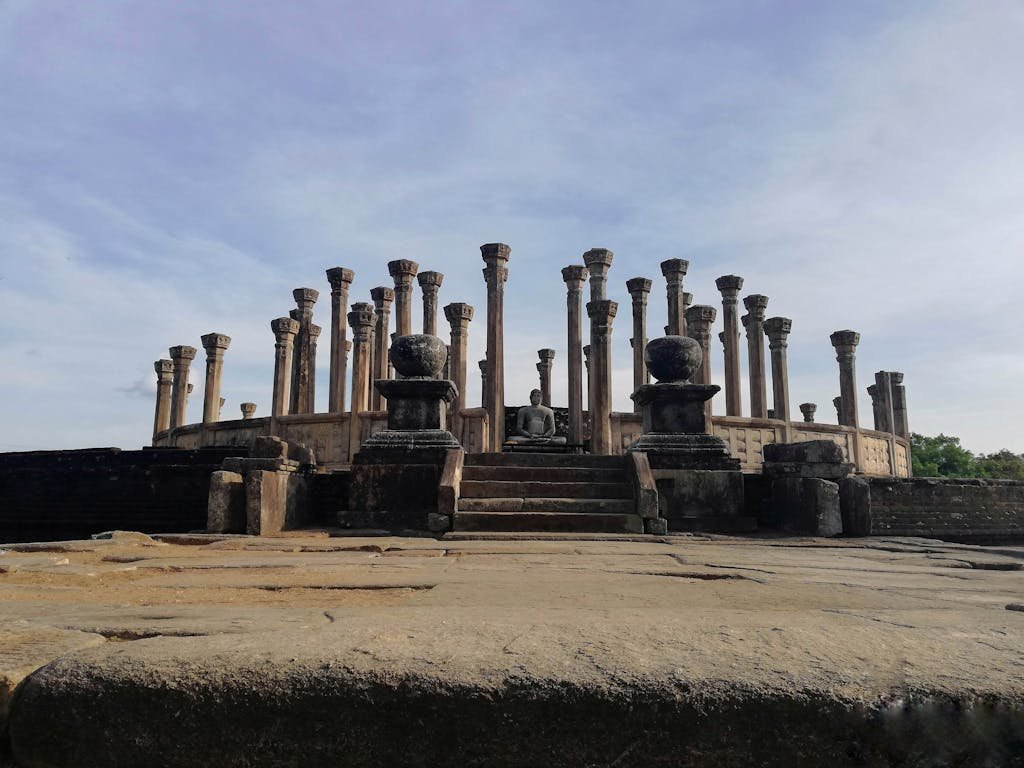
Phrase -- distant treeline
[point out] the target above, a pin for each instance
(943, 456)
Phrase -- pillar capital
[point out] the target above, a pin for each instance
(602, 310)
(382, 298)
(845, 343)
(729, 286)
(403, 271)
(546, 356)
(699, 318)
(777, 329)
(482, 364)
(598, 260)
(284, 327)
(164, 370)
(340, 278)
(495, 251)
(496, 256)
(305, 298)
(248, 410)
(721, 338)
(674, 270)
(430, 281)
(638, 288)
(808, 409)
(182, 352)
(361, 318)
(575, 275)
(458, 315)
(745, 322)
(215, 343)
(314, 332)
(756, 304)
(897, 378)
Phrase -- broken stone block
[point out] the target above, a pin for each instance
(225, 510)
(813, 458)
(805, 505)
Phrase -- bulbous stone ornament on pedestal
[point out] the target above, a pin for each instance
(418, 356)
(673, 359)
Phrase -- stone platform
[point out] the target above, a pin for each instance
(509, 649)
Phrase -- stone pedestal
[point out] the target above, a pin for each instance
(730, 286)
(340, 280)
(574, 277)
(181, 359)
(430, 285)
(777, 330)
(304, 359)
(674, 271)
(753, 323)
(459, 316)
(845, 343)
(382, 298)
(164, 378)
(547, 358)
(495, 256)
(639, 288)
(403, 271)
(284, 329)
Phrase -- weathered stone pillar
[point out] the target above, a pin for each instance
(674, 271)
(639, 288)
(340, 280)
(403, 271)
(181, 358)
(303, 361)
(547, 359)
(777, 329)
(601, 314)
(483, 382)
(754, 326)
(838, 403)
(845, 343)
(899, 406)
(598, 261)
(459, 315)
(285, 330)
(730, 286)
(361, 319)
(878, 418)
(883, 402)
(699, 318)
(215, 345)
(248, 410)
(808, 409)
(382, 298)
(495, 255)
(430, 284)
(164, 378)
(574, 276)
(314, 334)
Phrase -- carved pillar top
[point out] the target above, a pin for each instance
(699, 318)
(164, 370)
(284, 327)
(638, 288)
(305, 298)
(458, 315)
(382, 298)
(403, 271)
(215, 344)
(602, 312)
(546, 356)
(845, 343)
(674, 271)
(755, 304)
(808, 409)
(361, 319)
(430, 281)
(314, 332)
(721, 337)
(496, 255)
(340, 279)
(896, 377)
(777, 329)
(574, 276)
(182, 353)
(730, 286)
(598, 261)
(483, 366)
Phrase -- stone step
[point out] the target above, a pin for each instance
(520, 504)
(546, 474)
(569, 522)
(713, 524)
(489, 489)
(581, 461)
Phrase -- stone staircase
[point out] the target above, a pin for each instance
(546, 493)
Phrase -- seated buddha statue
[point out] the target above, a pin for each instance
(535, 424)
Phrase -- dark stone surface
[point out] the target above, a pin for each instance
(674, 408)
(686, 452)
(672, 359)
(393, 488)
(810, 451)
(687, 494)
(855, 506)
(416, 404)
(806, 505)
(418, 355)
(328, 495)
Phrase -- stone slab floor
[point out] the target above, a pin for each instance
(615, 651)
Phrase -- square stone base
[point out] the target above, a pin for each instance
(701, 499)
(394, 490)
(806, 505)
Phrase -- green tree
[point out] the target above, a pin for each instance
(1004, 464)
(942, 456)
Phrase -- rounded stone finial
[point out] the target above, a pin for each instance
(418, 355)
(672, 359)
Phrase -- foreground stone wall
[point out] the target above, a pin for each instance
(48, 495)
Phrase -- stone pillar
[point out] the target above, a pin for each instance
(753, 324)
(285, 330)
(459, 315)
(314, 334)
(361, 319)
(729, 286)
(574, 276)
(777, 329)
(808, 409)
(601, 314)
(382, 298)
(845, 343)
(303, 362)
(674, 271)
(639, 288)
(483, 381)
(547, 359)
(495, 255)
(899, 406)
(340, 280)
(878, 419)
(699, 318)
(181, 358)
(838, 403)
(248, 410)
(164, 377)
(403, 271)
(598, 261)
(215, 345)
(430, 284)
(883, 402)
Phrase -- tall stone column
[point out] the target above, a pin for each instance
(403, 271)
(808, 409)
(547, 359)
(901, 425)
(181, 358)
(430, 284)
(361, 318)
(164, 378)
(215, 345)
(459, 316)
(574, 276)
(598, 261)
(382, 298)
(314, 334)
(883, 402)
(845, 343)
(777, 329)
(303, 361)
(674, 271)
(483, 382)
(495, 255)
(639, 288)
(285, 330)
(729, 286)
(601, 314)
(340, 280)
(699, 318)
(754, 326)
(878, 420)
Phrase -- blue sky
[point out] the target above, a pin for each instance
(169, 169)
